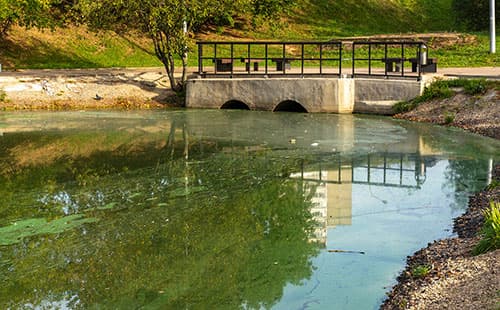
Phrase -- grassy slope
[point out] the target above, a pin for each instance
(310, 19)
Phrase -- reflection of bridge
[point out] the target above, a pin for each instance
(388, 170)
(331, 183)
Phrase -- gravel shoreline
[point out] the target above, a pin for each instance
(455, 278)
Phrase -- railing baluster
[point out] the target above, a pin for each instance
(224, 66)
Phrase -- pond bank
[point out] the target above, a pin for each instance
(450, 277)
(85, 89)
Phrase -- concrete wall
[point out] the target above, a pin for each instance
(377, 96)
(314, 94)
(331, 95)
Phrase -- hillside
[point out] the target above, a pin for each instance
(76, 47)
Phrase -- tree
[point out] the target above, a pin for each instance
(27, 13)
(473, 14)
(170, 24)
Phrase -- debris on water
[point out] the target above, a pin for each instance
(346, 251)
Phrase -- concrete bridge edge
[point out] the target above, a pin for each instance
(316, 95)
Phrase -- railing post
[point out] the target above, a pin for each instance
(302, 60)
(215, 58)
(419, 61)
(247, 64)
(402, 59)
(339, 45)
(385, 58)
(232, 59)
(283, 63)
(369, 59)
(267, 57)
(321, 59)
(353, 59)
(200, 58)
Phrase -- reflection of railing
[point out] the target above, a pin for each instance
(387, 170)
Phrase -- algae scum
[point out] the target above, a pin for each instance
(222, 209)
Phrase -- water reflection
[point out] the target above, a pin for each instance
(218, 209)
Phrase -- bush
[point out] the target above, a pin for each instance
(421, 271)
(471, 86)
(473, 14)
(403, 106)
(449, 118)
(491, 230)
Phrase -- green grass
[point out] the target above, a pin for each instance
(491, 230)
(441, 89)
(421, 271)
(317, 20)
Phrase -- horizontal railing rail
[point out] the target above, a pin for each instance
(389, 59)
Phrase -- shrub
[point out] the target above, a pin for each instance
(421, 271)
(449, 118)
(438, 90)
(403, 106)
(471, 86)
(491, 230)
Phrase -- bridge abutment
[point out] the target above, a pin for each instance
(315, 95)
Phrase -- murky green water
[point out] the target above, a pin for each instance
(222, 209)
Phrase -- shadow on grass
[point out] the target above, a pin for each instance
(39, 55)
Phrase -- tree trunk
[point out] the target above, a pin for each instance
(161, 44)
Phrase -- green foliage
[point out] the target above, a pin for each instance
(437, 90)
(441, 89)
(272, 8)
(494, 184)
(449, 118)
(3, 95)
(26, 13)
(421, 271)
(471, 86)
(491, 230)
(473, 15)
(404, 106)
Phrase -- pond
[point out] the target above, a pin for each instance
(223, 209)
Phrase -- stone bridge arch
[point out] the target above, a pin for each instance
(290, 106)
(234, 105)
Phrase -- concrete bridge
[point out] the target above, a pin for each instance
(313, 95)
(372, 82)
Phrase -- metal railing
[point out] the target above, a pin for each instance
(276, 58)
(394, 56)
(389, 59)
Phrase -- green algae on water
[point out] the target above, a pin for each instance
(16, 232)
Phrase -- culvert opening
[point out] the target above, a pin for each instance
(235, 105)
(290, 106)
